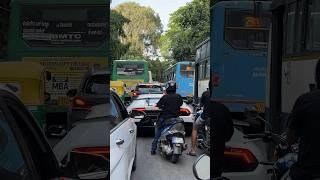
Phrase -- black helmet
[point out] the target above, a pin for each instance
(171, 86)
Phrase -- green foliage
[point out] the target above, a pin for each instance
(143, 32)
(188, 26)
(117, 48)
(157, 68)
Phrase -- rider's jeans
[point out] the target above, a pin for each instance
(158, 131)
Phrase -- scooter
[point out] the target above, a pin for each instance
(172, 141)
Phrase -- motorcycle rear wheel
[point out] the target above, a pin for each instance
(175, 158)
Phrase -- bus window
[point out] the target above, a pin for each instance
(186, 70)
(130, 69)
(313, 36)
(207, 70)
(290, 28)
(244, 31)
(49, 26)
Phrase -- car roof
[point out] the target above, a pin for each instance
(149, 84)
(101, 110)
(145, 96)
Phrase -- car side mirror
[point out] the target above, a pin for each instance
(201, 167)
(87, 166)
(72, 92)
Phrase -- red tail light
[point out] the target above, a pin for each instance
(81, 103)
(239, 160)
(184, 112)
(138, 109)
(216, 80)
(104, 151)
(135, 94)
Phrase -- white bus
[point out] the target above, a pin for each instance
(202, 69)
(295, 49)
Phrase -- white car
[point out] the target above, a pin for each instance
(147, 103)
(123, 142)
(107, 130)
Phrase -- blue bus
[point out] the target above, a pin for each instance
(239, 42)
(182, 73)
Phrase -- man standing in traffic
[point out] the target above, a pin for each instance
(170, 105)
(305, 125)
(199, 121)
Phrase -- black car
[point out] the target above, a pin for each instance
(26, 154)
(93, 90)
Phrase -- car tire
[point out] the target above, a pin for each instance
(134, 165)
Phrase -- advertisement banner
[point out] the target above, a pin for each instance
(66, 73)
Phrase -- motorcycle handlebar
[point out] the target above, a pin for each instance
(268, 136)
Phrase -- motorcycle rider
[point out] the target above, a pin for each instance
(170, 105)
(204, 101)
(305, 125)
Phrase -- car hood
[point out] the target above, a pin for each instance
(84, 134)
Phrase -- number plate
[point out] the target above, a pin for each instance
(177, 140)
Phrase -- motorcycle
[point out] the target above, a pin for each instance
(172, 141)
(203, 138)
(285, 156)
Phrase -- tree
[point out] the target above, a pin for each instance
(143, 32)
(157, 68)
(188, 26)
(117, 21)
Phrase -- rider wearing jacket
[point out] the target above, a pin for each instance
(170, 105)
(305, 125)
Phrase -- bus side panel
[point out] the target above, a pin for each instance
(184, 84)
(241, 73)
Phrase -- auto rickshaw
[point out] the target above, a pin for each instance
(119, 88)
(27, 81)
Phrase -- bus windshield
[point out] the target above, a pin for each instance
(49, 26)
(186, 71)
(243, 30)
(130, 69)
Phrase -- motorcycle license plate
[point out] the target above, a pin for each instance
(177, 140)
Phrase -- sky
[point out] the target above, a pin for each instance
(163, 7)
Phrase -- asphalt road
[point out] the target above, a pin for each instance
(157, 168)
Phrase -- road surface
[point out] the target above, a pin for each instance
(157, 168)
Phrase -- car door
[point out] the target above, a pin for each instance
(17, 158)
(132, 129)
(121, 145)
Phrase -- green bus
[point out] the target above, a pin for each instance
(67, 37)
(130, 72)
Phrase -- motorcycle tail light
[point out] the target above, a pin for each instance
(184, 112)
(104, 151)
(80, 103)
(239, 160)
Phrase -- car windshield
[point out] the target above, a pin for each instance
(97, 85)
(149, 89)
